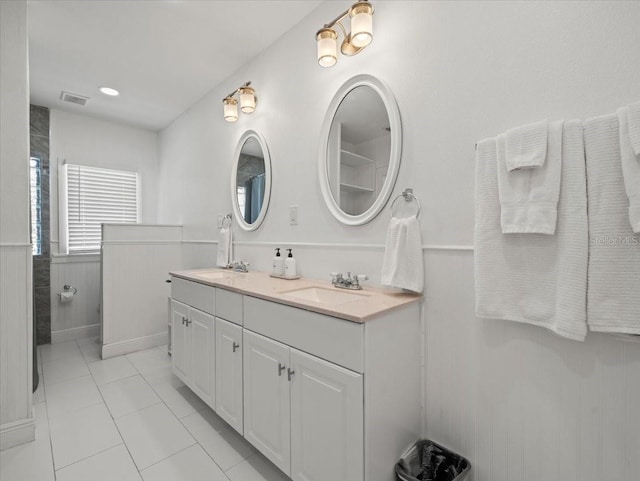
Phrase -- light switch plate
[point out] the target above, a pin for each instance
(220, 221)
(293, 215)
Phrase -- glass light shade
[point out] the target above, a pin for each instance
(230, 109)
(361, 24)
(327, 40)
(247, 100)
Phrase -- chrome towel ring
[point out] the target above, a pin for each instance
(408, 196)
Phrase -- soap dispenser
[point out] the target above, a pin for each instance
(290, 265)
(278, 264)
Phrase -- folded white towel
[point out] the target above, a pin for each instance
(403, 264)
(634, 127)
(225, 247)
(614, 253)
(535, 279)
(526, 146)
(630, 170)
(529, 197)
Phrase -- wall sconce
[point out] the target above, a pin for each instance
(361, 34)
(247, 102)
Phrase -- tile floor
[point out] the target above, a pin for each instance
(125, 419)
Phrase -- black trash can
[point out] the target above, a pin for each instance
(428, 461)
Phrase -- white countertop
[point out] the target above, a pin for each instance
(353, 305)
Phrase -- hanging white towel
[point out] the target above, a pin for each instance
(531, 278)
(403, 265)
(634, 127)
(526, 146)
(225, 247)
(614, 253)
(630, 170)
(529, 198)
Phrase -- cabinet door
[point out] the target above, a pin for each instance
(229, 373)
(266, 398)
(327, 436)
(202, 373)
(180, 341)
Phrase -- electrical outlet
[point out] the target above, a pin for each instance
(293, 215)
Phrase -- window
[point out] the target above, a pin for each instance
(96, 196)
(35, 171)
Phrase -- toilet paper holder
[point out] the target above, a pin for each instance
(68, 288)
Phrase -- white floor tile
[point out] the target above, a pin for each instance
(256, 468)
(222, 443)
(28, 462)
(61, 350)
(69, 396)
(111, 370)
(150, 360)
(115, 464)
(152, 434)
(181, 400)
(189, 465)
(162, 375)
(63, 370)
(90, 349)
(128, 395)
(81, 434)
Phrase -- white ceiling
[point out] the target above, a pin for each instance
(162, 56)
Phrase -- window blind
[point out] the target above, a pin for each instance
(96, 196)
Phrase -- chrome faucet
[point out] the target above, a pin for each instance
(348, 282)
(240, 266)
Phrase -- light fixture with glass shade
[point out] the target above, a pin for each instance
(248, 101)
(361, 34)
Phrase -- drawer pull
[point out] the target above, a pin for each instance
(184, 320)
(281, 367)
(290, 374)
(235, 346)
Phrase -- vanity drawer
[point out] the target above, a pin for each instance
(194, 294)
(336, 340)
(229, 306)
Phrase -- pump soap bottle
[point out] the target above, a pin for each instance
(278, 264)
(290, 265)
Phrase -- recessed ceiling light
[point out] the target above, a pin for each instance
(109, 91)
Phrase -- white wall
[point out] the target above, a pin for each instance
(84, 140)
(519, 402)
(16, 283)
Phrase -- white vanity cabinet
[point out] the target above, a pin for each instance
(323, 398)
(228, 370)
(193, 349)
(303, 413)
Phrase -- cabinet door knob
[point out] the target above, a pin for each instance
(290, 373)
(281, 367)
(235, 346)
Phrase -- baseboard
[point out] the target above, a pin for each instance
(133, 345)
(74, 333)
(16, 433)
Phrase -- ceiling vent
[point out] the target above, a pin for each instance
(73, 98)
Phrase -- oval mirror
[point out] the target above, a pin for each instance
(251, 180)
(360, 148)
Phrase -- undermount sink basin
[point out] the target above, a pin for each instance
(324, 295)
(216, 274)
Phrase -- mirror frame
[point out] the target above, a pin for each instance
(239, 217)
(389, 101)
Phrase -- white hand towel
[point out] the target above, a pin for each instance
(634, 127)
(630, 169)
(614, 253)
(529, 197)
(535, 279)
(403, 265)
(225, 246)
(526, 146)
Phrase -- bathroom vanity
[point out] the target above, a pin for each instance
(324, 382)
